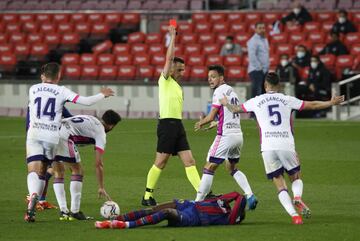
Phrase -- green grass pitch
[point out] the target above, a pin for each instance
(329, 153)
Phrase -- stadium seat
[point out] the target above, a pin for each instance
(232, 60)
(328, 60)
(220, 27)
(78, 18)
(108, 72)
(316, 37)
(198, 73)
(83, 29)
(52, 40)
(141, 59)
(145, 72)
(7, 62)
(242, 38)
(327, 26)
(105, 59)
(317, 48)
(102, 47)
(47, 28)
(270, 18)
(153, 38)
(236, 73)
(126, 72)
(238, 27)
(252, 17)
(179, 50)
(304, 73)
(188, 38)
(38, 52)
(4, 38)
(60, 18)
(21, 51)
(156, 49)
(199, 17)
(235, 17)
(210, 49)
(202, 27)
(279, 38)
(13, 28)
(130, 19)
(311, 27)
(355, 17)
(214, 59)
(293, 29)
(112, 19)
(95, 18)
(352, 38)
(324, 17)
(217, 17)
(195, 60)
(9, 18)
(191, 49)
(30, 27)
(89, 72)
(71, 72)
(284, 49)
(137, 37)
(6, 48)
(17, 38)
(343, 62)
(355, 49)
(123, 59)
(206, 38)
(43, 18)
(69, 41)
(157, 71)
(87, 59)
(139, 48)
(184, 27)
(158, 59)
(99, 31)
(274, 61)
(121, 49)
(65, 28)
(221, 38)
(70, 59)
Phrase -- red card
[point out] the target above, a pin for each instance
(173, 22)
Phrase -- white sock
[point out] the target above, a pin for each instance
(242, 181)
(35, 184)
(297, 188)
(60, 194)
(205, 185)
(285, 200)
(75, 191)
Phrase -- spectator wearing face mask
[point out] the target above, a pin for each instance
(230, 47)
(286, 71)
(343, 24)
(299, 15)
(319, 79)
(335, 46)
(302, 58)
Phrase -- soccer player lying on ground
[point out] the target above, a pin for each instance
(184, 213)
(80, 129)
(273, 114)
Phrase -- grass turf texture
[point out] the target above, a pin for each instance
(329, 153)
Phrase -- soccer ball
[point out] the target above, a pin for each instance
(110, 210)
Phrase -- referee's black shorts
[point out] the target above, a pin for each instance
(171, 136)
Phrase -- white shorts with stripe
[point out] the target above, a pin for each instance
(276, 162)
(40, 150)
(225, 148)
(67, 152)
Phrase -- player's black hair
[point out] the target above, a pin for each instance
(272, 78)
(178, 60)
(50, 70)
(230, 38)
(218, 68)
(259, 23)
(343, 11)
(110, 117)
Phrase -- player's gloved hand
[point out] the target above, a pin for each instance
(107, 91)
(103, 194)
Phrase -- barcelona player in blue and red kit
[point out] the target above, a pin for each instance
(185, 213)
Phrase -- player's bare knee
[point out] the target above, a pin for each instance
(294, 176)
(76, 169)
(211, 166)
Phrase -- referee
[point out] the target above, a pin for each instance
(170, 131)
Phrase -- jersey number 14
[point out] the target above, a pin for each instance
(48, 110)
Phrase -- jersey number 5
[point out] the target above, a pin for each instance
(49, 109)
(274, 113)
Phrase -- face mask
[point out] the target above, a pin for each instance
(228, 46)
(297, 10)
(300, 54)
(314, 65)
(342, 20)
(284, 62)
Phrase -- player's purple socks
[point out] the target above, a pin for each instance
(131, 216)
(150, 219)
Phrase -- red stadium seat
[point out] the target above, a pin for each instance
(220, 27)
(105, 59)
(232, 60)
(252, 17)
(13, 28)
(202, 27)
(17, 38)
(43, 18)
(355, 17)
(188, 38)
(238, 27)
(195, 60)
(121, 49)
(284, 49)
(221, 38)
(137, 37)
(184, 27)
(199, 17)
(60, 18)
(311, 27)
(145, 72)
(78, 18)
(325, 16)
(126, 72)
(156, 49)
(242, 38)
(3, 38)
(179, 50)
(70, 59)
(138, 48)
(304, 73)
(270, 17)
(83, 29)
(296, 38)
(316, 37)
(108, 72)
(191, 49)
(317, 48)
(158, 70)
(235, 17)
(71, 72)
(279, 38)
(274, 61)
(89, 72)
(65, 28)
(47, 28)
(158, 59)
(343, 62)
(38, 52)
(198, 73)
(87, 59)
(152, 38)
(352, 38)
(206, 38)
(328, 60)
(112, 19)
(9, 18)
(21, 51)
(95, 18)
(293, 29)
(217, 17)
(7, 62)
(99, 31)
(141, 59)
(103, 47)
(235, 73)
(130, 19)
(210, 49)
(214, 59)
(123, 59)
(355, 49)
(30, 27)
(69, 41)
(327, 26)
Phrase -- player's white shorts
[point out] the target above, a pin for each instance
(276, 162)
(225, 148)
(40, 150)
(67, 151)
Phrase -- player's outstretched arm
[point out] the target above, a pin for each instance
(90, 100)
(170, 53)
(232, 108)
(99, 166)
(207, 119)
(318, 105)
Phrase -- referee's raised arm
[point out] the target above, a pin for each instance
(170, 52)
